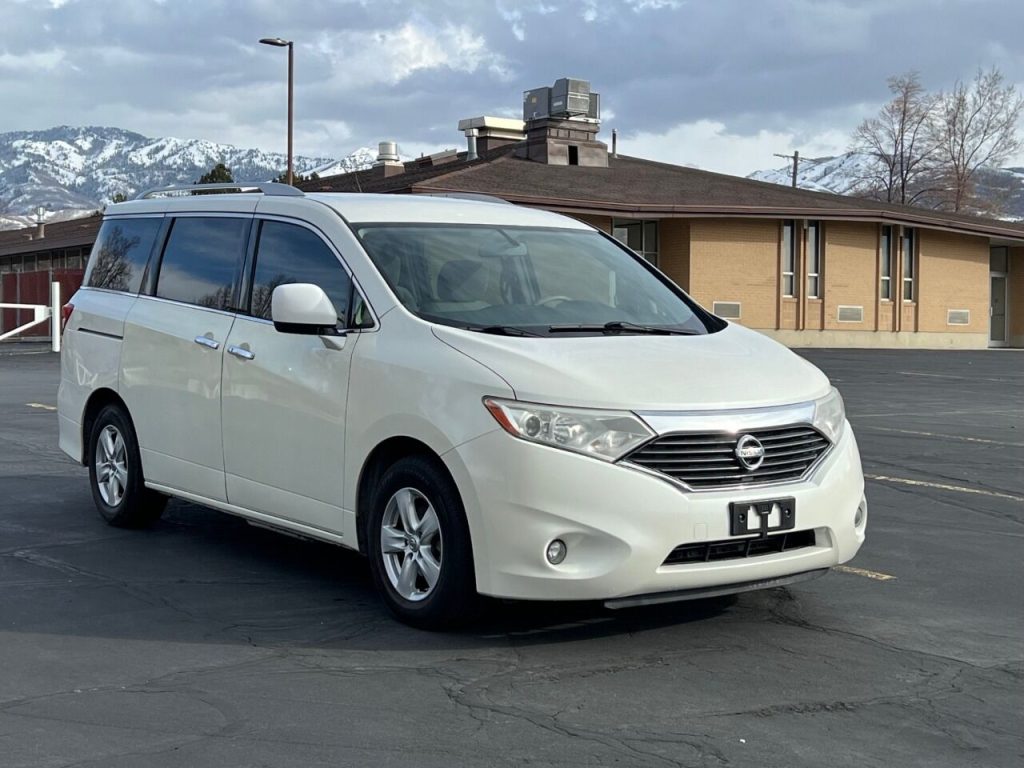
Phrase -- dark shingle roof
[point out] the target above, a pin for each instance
(59, 234)
(633, 186)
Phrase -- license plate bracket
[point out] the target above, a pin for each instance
(762, 517)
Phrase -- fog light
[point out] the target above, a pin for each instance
(556, 551)
(860, 514)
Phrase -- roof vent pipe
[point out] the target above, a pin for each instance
(615, 143)
(471, 153)
(387, 152)
(40, 223)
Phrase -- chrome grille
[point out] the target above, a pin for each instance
(707, 460)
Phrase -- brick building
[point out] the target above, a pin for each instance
(807, 268)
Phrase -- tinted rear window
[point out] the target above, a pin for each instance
(201, 260)
(120, 253)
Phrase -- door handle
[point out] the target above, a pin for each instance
(242, 352)
(206, 341)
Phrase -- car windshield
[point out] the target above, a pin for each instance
(527, 281)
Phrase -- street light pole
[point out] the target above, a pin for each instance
(281, 43)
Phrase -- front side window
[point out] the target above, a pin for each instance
(201, 261)
(813, 260)
(121, 252)
(639, 236)
(287, 253)
(885, 266)
(908, 264)
(538, 280)
(788, 259)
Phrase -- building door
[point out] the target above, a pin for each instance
(998, 312)
(998, 268)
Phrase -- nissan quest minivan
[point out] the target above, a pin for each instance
(483, 399)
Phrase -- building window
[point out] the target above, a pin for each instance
(885, 268)
(908, 263)
(813, 260)
(788, 259)
(640, 236)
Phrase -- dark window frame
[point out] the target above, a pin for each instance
(909, 235)
(788, 275)
(815, 256)
(885, 262)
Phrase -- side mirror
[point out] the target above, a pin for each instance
(303, 308)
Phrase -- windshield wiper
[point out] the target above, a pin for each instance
(619, 326)
(501, 330)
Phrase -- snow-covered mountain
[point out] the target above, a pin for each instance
(68, 168)
(844, 174)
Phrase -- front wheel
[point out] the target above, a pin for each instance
(115, 473)
(420, 552)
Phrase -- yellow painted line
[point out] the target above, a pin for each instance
(945, 487)
(947, 437)
(43, 406)
(862, 572)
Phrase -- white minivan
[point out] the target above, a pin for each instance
(483, 399)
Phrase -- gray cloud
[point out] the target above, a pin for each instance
(747, 74)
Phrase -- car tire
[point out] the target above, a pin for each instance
(115, 472)
(421, 556)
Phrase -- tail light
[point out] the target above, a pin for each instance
(65, 315)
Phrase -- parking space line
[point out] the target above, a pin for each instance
(863, 572)
(43, 406)
(952, 376)
(945, 487)
(932, 414)
(947, 437)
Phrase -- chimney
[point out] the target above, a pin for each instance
(471, 154)
(562, 123)
(492, 132)
(40, 223)
(388, 160)
(615, 143)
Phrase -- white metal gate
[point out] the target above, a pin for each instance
(40, 314)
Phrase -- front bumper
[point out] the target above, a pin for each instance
(620, 523)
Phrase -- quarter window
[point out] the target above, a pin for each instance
(788, 259)
(908, 264)
(201, 260)
(121, 252)
(885, 268)
(639, 236)
(291, 254)
(813, 260)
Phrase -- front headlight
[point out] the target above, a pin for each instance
(607, 435)
(830, 415)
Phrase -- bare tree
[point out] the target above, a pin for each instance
(976, 128)
(900, 144)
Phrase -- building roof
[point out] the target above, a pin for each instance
(59, 234)
(634, 187)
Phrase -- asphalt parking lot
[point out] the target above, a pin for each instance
(206, 642)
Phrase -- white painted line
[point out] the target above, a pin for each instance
(938, 434)
(944, 487)
(862, 572)
(950, 376)
(43, 406)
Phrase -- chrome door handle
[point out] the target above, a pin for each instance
(206, 341)
(241, 352)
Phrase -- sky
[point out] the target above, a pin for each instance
(716, 84)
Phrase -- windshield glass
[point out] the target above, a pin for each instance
(526, 280)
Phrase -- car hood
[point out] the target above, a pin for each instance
(733, 368)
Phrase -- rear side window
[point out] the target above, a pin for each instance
(287, 253)
(121, 252)
(201, 261)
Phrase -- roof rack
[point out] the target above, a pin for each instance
(468, 196)
(266, 187)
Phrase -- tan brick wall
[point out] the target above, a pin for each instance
(604, 223)
(851, 273)
(953, 274)
(737, 260)
(674, 250)
(1015, 305)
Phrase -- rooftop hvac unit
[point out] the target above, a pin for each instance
(536, 103)
(568, 99)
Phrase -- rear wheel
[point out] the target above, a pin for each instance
(115, 472)
(420, 552)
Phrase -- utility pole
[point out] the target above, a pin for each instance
(795, 157)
